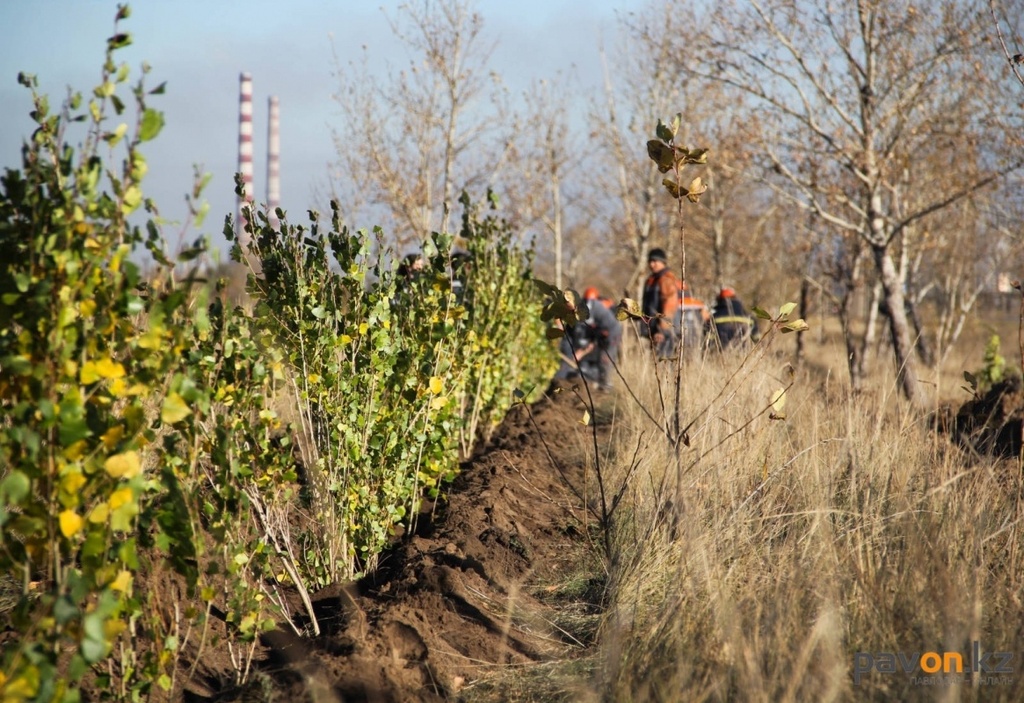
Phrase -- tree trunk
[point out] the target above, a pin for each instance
(867, 342)
(805, 301)
(924, 348)
(853, 364)
(899, 326)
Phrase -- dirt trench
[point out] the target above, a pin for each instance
(479, 589)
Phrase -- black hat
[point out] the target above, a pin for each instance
(657, 255)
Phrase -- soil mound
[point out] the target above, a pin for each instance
(462, 595)
(991, 423)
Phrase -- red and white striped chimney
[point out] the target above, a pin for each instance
(244, 146)
(273, 158)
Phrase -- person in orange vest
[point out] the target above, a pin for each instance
(693, 321)
(731, 324)
(660, 304)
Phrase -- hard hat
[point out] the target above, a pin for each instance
(590, 293)
(727, 292)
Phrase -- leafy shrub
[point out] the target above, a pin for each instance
(223, 456)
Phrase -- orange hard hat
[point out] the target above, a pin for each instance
(590, 293)
(727, 292)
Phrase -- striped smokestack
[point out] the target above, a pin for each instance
(273, 159)
(244, 146)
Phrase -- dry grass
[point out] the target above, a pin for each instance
(760, 562)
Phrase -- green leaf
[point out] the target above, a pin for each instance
(64, 610)
(152, 123)
(14, 488)
(554, 333)
(694, 156)
(673, 188)
(94, 643)
(119, 41)
(73, 429)
(93, 650)
(795, 326)
(761, 313)
(174, 409)
(160, 89)
(664, 132)
(662, 154)
(784, 310)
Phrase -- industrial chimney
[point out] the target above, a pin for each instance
(244, 149)
(273, 159)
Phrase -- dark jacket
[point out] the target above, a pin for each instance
(732, 323)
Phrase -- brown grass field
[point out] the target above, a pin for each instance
(780, 558)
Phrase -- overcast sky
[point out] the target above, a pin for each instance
(199, 47)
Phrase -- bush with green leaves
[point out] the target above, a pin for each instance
(87, 348)
(171, 468)
(387, 373)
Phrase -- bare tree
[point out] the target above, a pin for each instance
(645, 87)
(857, 87)
(545, 152)
(410, 143)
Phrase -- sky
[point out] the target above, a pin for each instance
(199, 47)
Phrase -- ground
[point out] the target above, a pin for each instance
(496, 582)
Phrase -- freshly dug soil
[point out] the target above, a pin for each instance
(481, 589)
(991, 423)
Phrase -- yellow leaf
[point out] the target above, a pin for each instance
(153, 339)
(345, 339)
(435, 385)
(314, 378)
(122, 582)
(696, 189)
(586, 418)
(363, 327)
(117, 387)
(70, 523)
(99, 514)
(23, 688)
(120, 497)
(93, 371)
(113, 627)
(124, 465)
(175, 409)
(112, 436)
(76, 451)
(72, 482)
(438, 402)
(87, 307)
